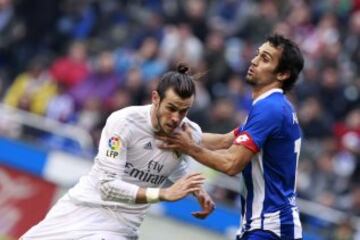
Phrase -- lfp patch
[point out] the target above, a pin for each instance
(114, 143)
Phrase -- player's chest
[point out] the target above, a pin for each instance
(144, 154)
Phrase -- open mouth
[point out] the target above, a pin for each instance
(250, 71)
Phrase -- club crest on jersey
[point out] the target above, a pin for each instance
(242, 138)
(114, 144)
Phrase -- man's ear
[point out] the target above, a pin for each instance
(155, 98)
(282, 76)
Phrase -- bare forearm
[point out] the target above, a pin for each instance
(215, 141)
(218, 160)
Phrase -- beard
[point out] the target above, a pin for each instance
(249, 80)
(160, 129)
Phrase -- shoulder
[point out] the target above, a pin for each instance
(269, 110)
(193, 125)
(270, 105)
(195, 128)
(129, 114)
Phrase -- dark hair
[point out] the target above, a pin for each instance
(180, 81)
(291, 60)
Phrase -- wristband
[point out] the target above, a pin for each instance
(152, 195)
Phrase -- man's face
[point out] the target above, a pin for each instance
(262, 69)
(170, 111)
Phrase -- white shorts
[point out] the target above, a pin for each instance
(69, 221)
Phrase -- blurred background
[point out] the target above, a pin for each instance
(66, 65)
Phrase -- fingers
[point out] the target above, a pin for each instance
(166, 143)
(193, 189)
(168, 138)
(166, 146)
(208, 208)
(196, 174)
(208, 205)
(162, 138)
(188, 131)
(200, 214)
(175, 136)
(187, 128)
(197, 181)
(194, 180)
(184, 127)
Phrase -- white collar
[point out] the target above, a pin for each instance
(266, 94)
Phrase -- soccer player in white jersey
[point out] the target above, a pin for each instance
(265, 148)
(130, 170)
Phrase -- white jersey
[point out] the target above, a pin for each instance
(128, 153)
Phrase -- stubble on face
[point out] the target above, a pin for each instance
(262, 69)
(159, 128)
(163, 116)
(249, 80)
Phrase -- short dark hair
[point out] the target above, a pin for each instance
(180, 81)
(291, 59)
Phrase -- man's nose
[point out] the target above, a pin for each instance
(255, 61)
(175, 117)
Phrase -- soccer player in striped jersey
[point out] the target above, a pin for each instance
(130, 171)
(265, 149)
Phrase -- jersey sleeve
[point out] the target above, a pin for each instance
(263, 120)
(114, 141)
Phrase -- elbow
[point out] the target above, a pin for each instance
(232, 169)
(231, 172)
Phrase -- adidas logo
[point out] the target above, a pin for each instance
(148, 146)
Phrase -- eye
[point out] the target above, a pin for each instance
(171, 109)
(265, 58)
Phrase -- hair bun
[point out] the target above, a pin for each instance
(182, 68)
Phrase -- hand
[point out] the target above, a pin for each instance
(206, 204)
(182, 187)
(180, 140)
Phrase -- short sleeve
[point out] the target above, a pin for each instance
(263, 120)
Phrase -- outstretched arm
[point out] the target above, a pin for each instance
(120, 191)
(188, 184)
(215, 141)
(230, 161)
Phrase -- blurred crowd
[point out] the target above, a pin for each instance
(77, 61)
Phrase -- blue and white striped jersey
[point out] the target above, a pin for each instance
(273, 132)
